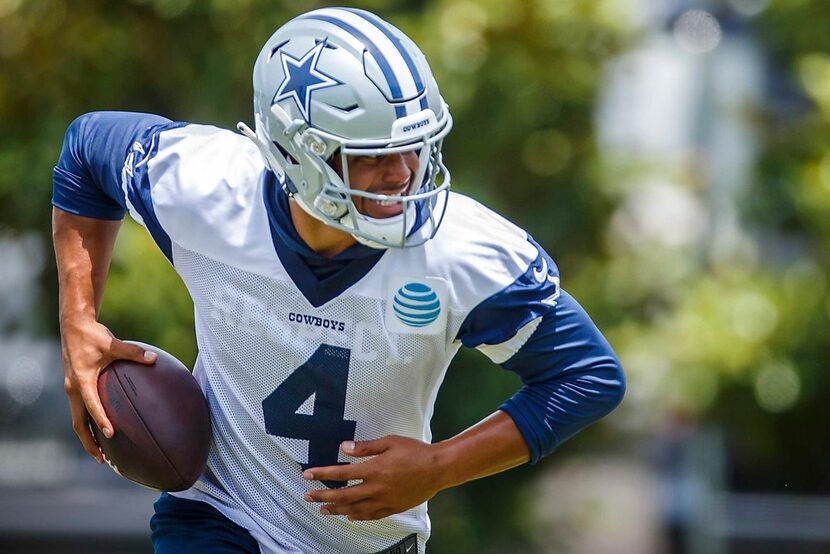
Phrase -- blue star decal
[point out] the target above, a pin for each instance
(302, 78)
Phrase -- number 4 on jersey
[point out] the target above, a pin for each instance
(324, 375)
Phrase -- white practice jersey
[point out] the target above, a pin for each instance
(288, 379)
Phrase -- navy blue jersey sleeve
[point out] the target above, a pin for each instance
(570, 373)
(87, 177)
(102, 169)
(571, 378)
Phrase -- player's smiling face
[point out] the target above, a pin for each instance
(389, 175)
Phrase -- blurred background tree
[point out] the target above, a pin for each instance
(724, 327)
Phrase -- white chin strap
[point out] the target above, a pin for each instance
(393, 229)
(270, 160)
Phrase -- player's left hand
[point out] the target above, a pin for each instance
(402, 473)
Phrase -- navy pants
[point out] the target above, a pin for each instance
(182, 526)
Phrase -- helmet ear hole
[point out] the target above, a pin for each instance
(284, 152)
(335, 163)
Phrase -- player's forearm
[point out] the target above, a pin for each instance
(83, 251)
(492, 445)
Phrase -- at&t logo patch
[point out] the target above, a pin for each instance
(416, 305)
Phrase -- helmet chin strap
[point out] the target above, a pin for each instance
(275, 165)
(382, 227)
(275, 160)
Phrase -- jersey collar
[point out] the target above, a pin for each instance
(318, 278)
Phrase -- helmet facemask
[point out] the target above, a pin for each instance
(308, 173)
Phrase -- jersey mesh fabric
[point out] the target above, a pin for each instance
(247, 347)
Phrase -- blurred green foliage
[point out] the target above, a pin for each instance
(737, 341)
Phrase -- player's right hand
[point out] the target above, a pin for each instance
(88, 347)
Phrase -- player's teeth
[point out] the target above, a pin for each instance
(387, 202)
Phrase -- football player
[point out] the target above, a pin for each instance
(334, 276)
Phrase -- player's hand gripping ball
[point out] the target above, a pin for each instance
(161, 422)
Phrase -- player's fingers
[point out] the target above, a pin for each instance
(344, 495)
(369, 515)
(89, 394)
(364, 510)
(120, 350)
(353, 509)
(80, 424)
(359, 449)
(344, 472)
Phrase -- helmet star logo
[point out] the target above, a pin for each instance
(302, 78)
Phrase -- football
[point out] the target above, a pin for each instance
(161, 422)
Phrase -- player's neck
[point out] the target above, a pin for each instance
(326, 241)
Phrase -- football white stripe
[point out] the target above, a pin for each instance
(405, 78)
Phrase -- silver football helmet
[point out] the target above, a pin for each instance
(344, 82)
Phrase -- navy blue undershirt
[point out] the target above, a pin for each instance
(319, 278)
(322, 266)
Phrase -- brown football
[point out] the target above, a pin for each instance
(161, 420)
